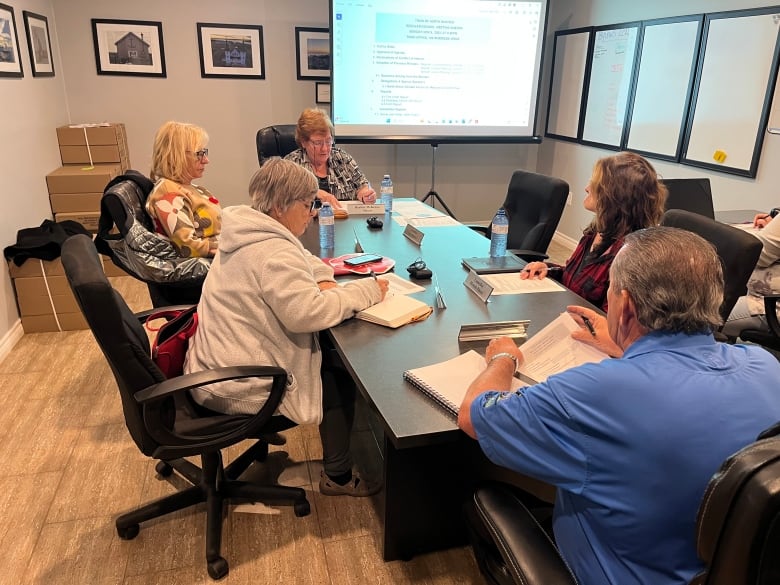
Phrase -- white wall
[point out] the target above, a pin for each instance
(574, 162)
(31, 107)
(472, 179)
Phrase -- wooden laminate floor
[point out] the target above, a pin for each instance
(69, 468)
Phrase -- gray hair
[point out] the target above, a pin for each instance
(674, 277)
(279, 183)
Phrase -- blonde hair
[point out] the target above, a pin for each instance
(312, 121)
(174, 144)
(280, 183)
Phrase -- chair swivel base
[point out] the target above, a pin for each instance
(208, 488)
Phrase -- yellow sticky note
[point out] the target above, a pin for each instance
(719, 156)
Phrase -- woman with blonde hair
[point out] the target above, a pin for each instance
(185, 212)
(626, 195)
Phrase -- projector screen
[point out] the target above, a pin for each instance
(436, 70)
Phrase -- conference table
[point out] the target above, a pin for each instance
(428, 467)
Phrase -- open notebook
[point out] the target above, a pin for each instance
(396, 310)
(447, 382)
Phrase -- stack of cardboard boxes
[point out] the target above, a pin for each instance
(92, 155)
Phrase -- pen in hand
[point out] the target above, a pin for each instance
(372, 273)
(588, 324)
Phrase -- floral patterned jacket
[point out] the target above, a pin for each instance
(189, 215)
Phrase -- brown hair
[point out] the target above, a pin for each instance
(628, 196)
(170, 157)
(312, 121)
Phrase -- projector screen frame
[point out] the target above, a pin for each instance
(436, 139)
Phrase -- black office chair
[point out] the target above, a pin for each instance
(737, 249)
(693, 195)
(126, 234)
(770, 338)
(738, 528)
(534, 204)
(276, 140)
(165, 423)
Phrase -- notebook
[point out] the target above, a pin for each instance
(488, 265)
(448, 381)
(396, 310)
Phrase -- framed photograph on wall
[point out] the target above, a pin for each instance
(312, 52)
(10, 61)
(39, 44)
(231, 50)
(128, 47)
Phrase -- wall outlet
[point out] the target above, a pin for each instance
(570, 198)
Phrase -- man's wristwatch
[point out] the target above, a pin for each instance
(504, 354)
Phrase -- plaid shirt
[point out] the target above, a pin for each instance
(588, 275)
(344, 176)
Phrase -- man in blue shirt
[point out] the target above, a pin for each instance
(631, 443)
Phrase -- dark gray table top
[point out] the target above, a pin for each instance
(377, 356)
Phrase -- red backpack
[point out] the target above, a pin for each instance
(173, 338)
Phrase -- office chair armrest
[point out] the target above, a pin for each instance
(770, 309)
(529, 255)
(482, 229)
(198, 379)
(142, 316)
(528, 554)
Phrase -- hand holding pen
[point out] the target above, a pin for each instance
(593, 330)
(383, 283)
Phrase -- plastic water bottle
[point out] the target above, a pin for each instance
(386, 191)
(499, 230)
(327, 226)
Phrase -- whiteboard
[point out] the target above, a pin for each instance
(609, 86)
(570, 54)
(667, 64)
(733, 91)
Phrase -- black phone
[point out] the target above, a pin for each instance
(362, 259)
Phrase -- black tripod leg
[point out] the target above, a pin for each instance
(436, 198)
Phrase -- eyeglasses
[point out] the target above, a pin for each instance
(200, 154)
(321, 143)
(315, 205)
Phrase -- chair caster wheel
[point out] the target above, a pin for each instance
(163, 469)
(302, 509)
(128, 532)
(218, 568)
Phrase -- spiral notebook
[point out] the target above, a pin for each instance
(448, 381)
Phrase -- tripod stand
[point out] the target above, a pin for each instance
(432, 192)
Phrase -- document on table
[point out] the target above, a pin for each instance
(400, 286)
(510, 283)
(552, 350)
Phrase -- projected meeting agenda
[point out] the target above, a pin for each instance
(434, 69)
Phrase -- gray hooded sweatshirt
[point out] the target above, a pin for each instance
(261, 306)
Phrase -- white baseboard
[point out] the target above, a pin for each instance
(565, 240)
(10, 339)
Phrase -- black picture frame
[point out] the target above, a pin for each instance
(36, 27)
(312, 53)
(241, 57)
(142, 52)
(10, 56)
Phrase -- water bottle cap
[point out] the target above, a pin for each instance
(326, 204)
(387, 176)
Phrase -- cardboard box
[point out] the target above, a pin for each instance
(97, 134)
(112, 269)
(109, 153)
(43, 323)
(33, 298)
(89, 219)
(77, 179)
(74, 202)
(32, 267)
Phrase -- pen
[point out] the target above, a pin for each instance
(589, 325)
(372, 273)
